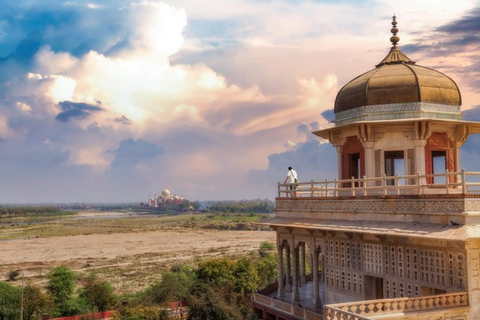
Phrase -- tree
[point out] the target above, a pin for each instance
(246, 276)
(142, 313)
(97, 293)
(13, 275)
(34, 302)
(61, 284)
(174, 286)
(217, 270)
(9, 301)
(209, 302)
(267, 270)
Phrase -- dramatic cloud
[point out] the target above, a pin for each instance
(116, 100)
(453, 48)
(131, 152)
(77, 110)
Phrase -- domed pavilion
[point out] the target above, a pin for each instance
(397, 234)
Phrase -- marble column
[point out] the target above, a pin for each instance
(288, 287)
(295, 293)
(316, 281)
(369, 161)
(303, 264)
(281, 289)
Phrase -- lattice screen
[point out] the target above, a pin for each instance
(411, 165)
(372, 258)
(378, 166)
(405, 269)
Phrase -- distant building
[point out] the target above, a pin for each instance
(165, 198)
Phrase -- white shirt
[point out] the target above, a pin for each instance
(291, 176)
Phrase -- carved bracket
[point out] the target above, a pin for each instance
(422, 130)
(364, 132)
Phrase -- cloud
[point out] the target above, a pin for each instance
(76, 110)
(312, 159)
(452, 48)
(472, 114)
(201, 97)
(131, 152)
(123, 120)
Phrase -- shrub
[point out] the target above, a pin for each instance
(13, 275)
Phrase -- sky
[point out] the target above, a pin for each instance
(114, 100)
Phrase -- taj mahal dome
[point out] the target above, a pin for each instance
(165, 197)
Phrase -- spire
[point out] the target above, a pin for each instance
(395, 56)
(394, 39)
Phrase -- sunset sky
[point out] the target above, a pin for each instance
(114, 100)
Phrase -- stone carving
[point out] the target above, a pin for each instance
(397, 111)
(419, 205)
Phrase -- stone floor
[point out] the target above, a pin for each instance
(306, 296)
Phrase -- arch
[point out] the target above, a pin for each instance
(353, 159)
(439, 145)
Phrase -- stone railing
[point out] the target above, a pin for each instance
(462, 182)
(287, 307)
(366, 309)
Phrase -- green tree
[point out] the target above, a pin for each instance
(98, 294)
(216, 270)
(9, 301)
(209, 302)
(142, 313)
(246, 276)
(61, 285)
(174, 286)
(267, 270)
(34, 302)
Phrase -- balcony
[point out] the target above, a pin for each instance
(463, 182)
(427, 307)
(374, 202)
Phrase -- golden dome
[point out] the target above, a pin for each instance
(396, 79)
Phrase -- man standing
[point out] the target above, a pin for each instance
(292, 179)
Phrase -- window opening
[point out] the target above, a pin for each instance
(439, 165)
(394, 163)
(354, 165)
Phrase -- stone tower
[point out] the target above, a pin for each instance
(397, 235)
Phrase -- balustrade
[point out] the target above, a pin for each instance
(287, 307)
(462, 182)
(364, 309)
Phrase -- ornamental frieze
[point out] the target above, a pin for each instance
(381, 205)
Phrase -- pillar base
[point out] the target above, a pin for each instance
(288, 287)
(295, 296)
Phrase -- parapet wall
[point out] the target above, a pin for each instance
(438, 209)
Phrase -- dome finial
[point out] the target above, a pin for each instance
(394, 39)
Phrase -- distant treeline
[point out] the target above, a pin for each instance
(242, 206)
(27, 210)
(229, 206)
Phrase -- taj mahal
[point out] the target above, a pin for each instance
(165, 197)
(397, 234)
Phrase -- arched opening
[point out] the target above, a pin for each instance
(353, 160)
(439, 157)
